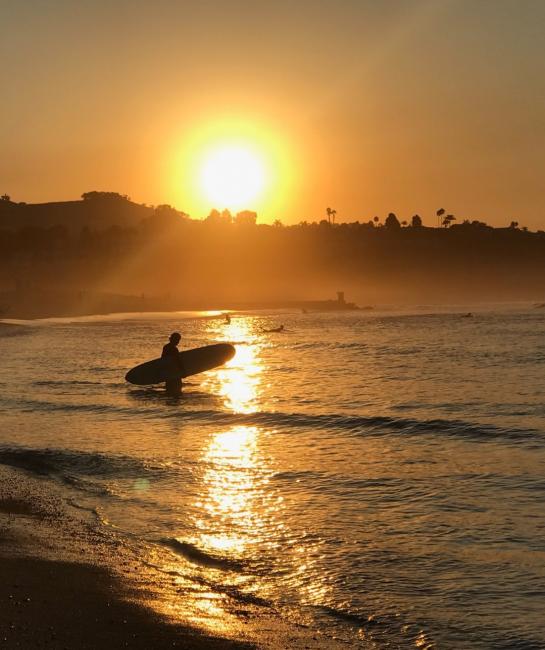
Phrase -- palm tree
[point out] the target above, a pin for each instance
(331, 214)
(439, 214)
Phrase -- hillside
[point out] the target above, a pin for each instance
(113, 247)
(98, 210)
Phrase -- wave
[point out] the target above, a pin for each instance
(198, 556)
(30, 405)
(8, 330)
(366, 425)
(347, 424)
(383, 630)
(63, 463)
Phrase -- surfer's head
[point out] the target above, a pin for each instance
(175, 337)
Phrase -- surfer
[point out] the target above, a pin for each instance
(275, 329)
(170, 351)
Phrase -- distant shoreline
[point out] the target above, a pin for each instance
(65, 304)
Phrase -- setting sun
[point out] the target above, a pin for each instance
(232, 176)
(238, 163)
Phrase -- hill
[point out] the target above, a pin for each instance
(109, 246)
(96, 210)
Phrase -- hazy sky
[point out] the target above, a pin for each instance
(367, 106)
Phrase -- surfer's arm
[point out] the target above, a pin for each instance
(175, 355)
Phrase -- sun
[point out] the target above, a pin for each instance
(235, 162)
(232, 176)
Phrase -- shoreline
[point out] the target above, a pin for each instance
(130, 312)
(66, 584)
(63, 303)
(69, 582)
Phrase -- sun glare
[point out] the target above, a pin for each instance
(234, 163)
(232, 177)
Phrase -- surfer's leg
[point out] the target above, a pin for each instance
(173, 386)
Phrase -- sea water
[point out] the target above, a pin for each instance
(378, 476)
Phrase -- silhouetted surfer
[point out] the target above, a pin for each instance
(275, 329)
(170, 351)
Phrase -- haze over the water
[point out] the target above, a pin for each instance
(368, 106)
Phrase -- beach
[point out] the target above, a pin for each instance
(68, 584)
(64, 586)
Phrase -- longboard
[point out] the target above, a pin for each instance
(193, 362)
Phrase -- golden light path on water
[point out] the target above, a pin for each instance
(238, 382)
(237, 515)
(236, 478)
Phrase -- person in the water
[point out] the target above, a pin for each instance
(275, 329)
(170, 351)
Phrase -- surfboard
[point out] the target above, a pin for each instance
(193, 362)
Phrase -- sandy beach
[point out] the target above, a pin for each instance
(58, 594)
(68, 605)
(67, 584)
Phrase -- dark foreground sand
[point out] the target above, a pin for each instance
(48, 604)
(67, 583)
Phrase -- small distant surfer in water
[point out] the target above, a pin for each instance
(275, 329)
(170, 351)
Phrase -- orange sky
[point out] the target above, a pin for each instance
(365, 106)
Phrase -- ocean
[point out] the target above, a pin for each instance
(378, 477)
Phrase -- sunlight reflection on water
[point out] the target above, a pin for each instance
(233, 494)
(239, 380)
(240, 515)
(232, 515)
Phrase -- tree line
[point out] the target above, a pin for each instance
(233, 257)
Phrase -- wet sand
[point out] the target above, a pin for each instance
(69, 584)
(66, 605)
(51, 602)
